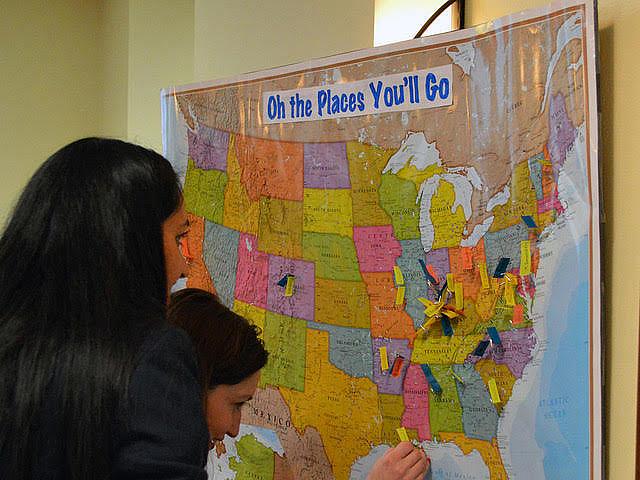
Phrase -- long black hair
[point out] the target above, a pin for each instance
(229, 348)
(82, 275)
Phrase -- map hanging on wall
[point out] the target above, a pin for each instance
(415, 229)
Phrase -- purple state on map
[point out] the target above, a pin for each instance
(439, 260)
(302, 303)
(515, 351)
(326, 165)
(208, 148)
(385, 382)
(561, 133)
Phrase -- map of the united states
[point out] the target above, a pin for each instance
(393, 270)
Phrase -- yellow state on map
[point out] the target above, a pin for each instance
(448, 225)
(489, 452)
(280, 229)
(410, 172)
(239, 213)
(522, 200)
(342, 303)
(342, 408)
(391, 409)
(366, 163)
(255, 315)
(444, 350)
(328, 211)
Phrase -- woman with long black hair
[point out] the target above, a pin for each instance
(94, 383)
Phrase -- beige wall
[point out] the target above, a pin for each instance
(239, 36)
(620, 145)
(50, 84)
(83, 67)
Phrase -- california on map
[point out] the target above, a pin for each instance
(405, 267)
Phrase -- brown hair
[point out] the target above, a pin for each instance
(228, 346)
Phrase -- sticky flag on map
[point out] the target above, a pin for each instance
(509, 294)
(529, 221)
(525, 257)
(396, 368)
(402, 434)
(432, 272)
(459, 296)
(428, 274)
(493, 390)
(397, 276)
(494, 335)
(283, 281)
(433, 383)
(449, 312)
(400, 295)
(384, 359)
(288, 289)
(457, 377)
(484, 276)
(447, 330)
(451, 282)
(481, 348)
(518, 314)
(501, 268)
(442, 291)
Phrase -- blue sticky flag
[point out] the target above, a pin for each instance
(446, 326)
(481, 348)
(433, 383)
(495, 337)
(501, 268)
(283, 282)
(442, 290)
(530, 222)
(427, 275)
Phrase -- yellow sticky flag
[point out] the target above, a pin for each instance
(384, 360)
(450, 313)
(525, 258)
(509, 294)
(400, 295)
(425, 301)
(288, 289)
(402, 433)
(450, 282)
(397, 275)
(459, 296)
(493, 390)
(484, 276)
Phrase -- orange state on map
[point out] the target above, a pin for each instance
(489, 452)
(271, 168)
(464, 263)
(197, 273)
(342, 408)
(388, 320)
(304, 453)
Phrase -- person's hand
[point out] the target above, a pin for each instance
(404, 462)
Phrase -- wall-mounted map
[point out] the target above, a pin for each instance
(415, 229)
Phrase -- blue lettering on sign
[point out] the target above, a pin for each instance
(275, 108)
(435, 88)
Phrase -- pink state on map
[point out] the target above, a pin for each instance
(252, 272)
(385, 381)
(326, 165)
(302, 303)
(515, 350)
(415, 394)
(376, 247)
(208, 148)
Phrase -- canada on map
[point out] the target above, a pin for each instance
(442, 256)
